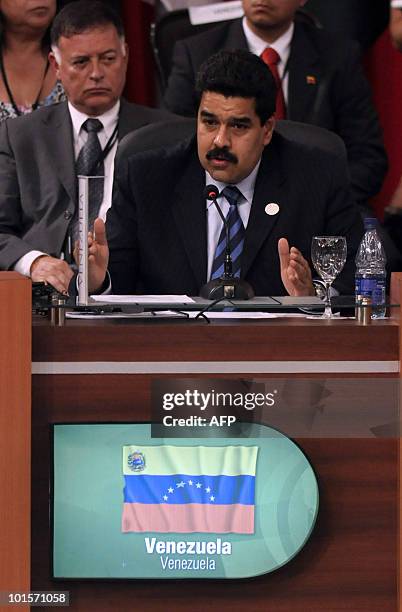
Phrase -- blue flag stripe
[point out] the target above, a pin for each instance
(187, 489)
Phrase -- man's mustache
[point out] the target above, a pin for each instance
(222, 154)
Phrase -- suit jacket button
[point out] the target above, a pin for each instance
(67, 215)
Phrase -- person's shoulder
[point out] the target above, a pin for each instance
(212, 35)
(27, 125)
(172, 155)
(157, 170)
(326, 42)
(138, 114)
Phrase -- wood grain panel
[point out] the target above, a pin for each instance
(275, 340)
(15, 431)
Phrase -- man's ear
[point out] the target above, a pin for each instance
(125, 51)
(54, 63)
(268, 129)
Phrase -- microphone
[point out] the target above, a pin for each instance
(227, 286)
(211, 192)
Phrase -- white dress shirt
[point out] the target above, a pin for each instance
(281, 45)
(109, 121)
(214, 221)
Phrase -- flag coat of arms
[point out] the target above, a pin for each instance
(186, 489)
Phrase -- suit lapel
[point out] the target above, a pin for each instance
(58, 138)
(122, 127)
(304, 76)
(189, 212)
(267, 190)
(127, 120)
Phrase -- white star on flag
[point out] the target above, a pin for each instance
(212, 498)
(190, 482)
(198, 485)
(208, 489)
(180, 484)
(170, 490)
(165, 497)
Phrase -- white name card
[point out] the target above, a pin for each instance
(220, 11)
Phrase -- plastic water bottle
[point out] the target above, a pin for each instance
(370, 280)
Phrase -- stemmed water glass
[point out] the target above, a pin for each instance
(328, 254)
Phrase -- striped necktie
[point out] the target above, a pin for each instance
(236, 235)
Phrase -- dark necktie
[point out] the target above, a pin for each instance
(271, 58)
(236, 235)
(89, 164)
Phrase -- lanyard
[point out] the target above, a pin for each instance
(8, 88)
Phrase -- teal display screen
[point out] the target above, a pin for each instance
(126, 505)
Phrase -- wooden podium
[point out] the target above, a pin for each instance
(102, 371)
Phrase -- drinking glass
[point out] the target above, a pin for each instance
(328, 254)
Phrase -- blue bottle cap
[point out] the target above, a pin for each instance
(370, 223)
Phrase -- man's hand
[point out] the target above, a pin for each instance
(98, 256)
(51, 270)
(295, 271)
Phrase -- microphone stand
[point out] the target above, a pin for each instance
(227, 286)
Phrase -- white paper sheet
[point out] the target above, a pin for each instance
(191, 315)
(142, 299)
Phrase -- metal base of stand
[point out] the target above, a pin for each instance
(230, 288)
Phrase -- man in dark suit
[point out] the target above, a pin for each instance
(165, 237)
(321, 75)
(39, 153)
(353, 19)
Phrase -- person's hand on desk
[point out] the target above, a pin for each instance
(98, 256)
(295, 271)
(51, 270)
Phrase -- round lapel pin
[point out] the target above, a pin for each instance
(272, 209)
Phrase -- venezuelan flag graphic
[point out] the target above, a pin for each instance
(185, 489)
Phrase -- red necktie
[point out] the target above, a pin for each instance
(271, 58)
